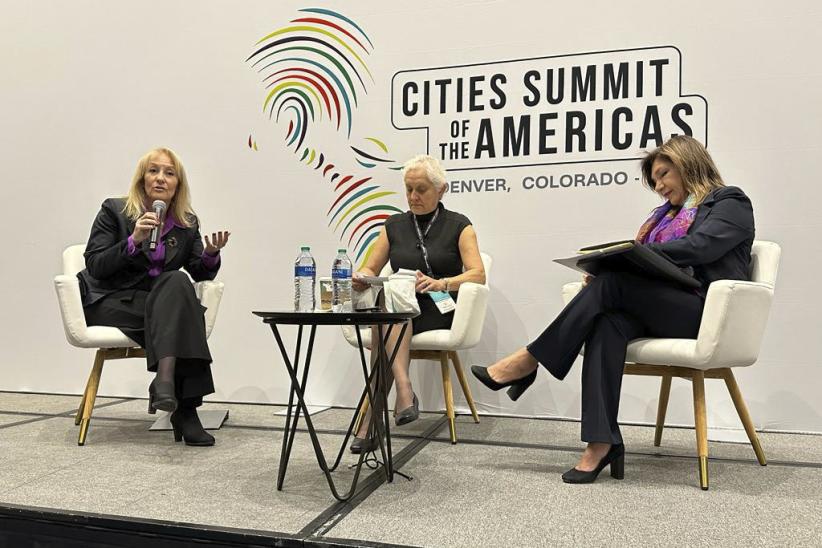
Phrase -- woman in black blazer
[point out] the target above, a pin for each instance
(702, 225)
(143, 292)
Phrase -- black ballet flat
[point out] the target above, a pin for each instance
(615, 458)
(517, 386)
(187, 427)
(161, 396)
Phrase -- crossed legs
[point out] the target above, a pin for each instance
(604, 317)
(398, 374)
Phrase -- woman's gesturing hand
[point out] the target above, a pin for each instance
(426, 283)
(142, 228)
(357, 281)
(217, 242)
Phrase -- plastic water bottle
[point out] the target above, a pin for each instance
(341, 283)
(305, 275)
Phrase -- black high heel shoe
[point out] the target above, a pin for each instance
(409, 414)
(363, 445)
(161, 396)
(517, 386)
(615, 457)
(187, 427)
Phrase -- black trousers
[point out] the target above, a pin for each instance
(163, 316)
(609, 312)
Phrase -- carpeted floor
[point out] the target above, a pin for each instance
(499, 486)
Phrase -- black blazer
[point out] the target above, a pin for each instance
(110, 268)
(718, 243)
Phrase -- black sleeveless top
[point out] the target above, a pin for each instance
(442, 243)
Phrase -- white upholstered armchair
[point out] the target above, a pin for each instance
(730, 335)
(442, 344)
(110, 342)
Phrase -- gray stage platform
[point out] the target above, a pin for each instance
(499, 486)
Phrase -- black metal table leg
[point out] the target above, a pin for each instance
(389, 363)
(350, 429)
(299, 393)
(304, 380)
(287, 433)
(376, 390)
(376, 396)
(379, 398)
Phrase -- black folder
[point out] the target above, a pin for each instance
(627, 256)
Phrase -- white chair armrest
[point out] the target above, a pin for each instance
(351, 335)
(71, 308)
(570, 290)
(210, 293)
(733, 322)
(469, 316)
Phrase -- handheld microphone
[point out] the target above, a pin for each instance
(159, 208)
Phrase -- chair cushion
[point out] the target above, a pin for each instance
(437, 339)
(677, 352)
(100, 336)
(74, 321)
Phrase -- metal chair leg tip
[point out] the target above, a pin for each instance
(703, 473)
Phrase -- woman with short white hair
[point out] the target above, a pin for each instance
(441, 246)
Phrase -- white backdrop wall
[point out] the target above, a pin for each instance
(88, 86)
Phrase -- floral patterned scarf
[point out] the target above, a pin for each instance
(665, 223)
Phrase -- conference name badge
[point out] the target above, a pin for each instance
(443, 300)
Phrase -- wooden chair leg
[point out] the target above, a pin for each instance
(664, 393)
(455, 359)
(744, 416)
(90, 395)
(79, 416)
(701, 423)
(449, 395)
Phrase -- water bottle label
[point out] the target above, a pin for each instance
(340, 273)
(304, 271)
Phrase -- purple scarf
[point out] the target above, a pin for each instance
(665, 224)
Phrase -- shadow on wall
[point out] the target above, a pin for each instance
(503, 323)
(790, 407)
(254, 394)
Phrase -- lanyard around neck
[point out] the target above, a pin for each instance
(421, 238)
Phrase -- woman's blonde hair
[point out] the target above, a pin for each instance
(696, 167)
(180, 206)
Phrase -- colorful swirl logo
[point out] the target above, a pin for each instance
(313, 70)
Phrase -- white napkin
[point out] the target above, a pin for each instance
(366, 298)
(401, 293)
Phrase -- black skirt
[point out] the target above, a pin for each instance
(163, 316)
(430, 317)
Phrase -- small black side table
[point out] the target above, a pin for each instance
(384, 322)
